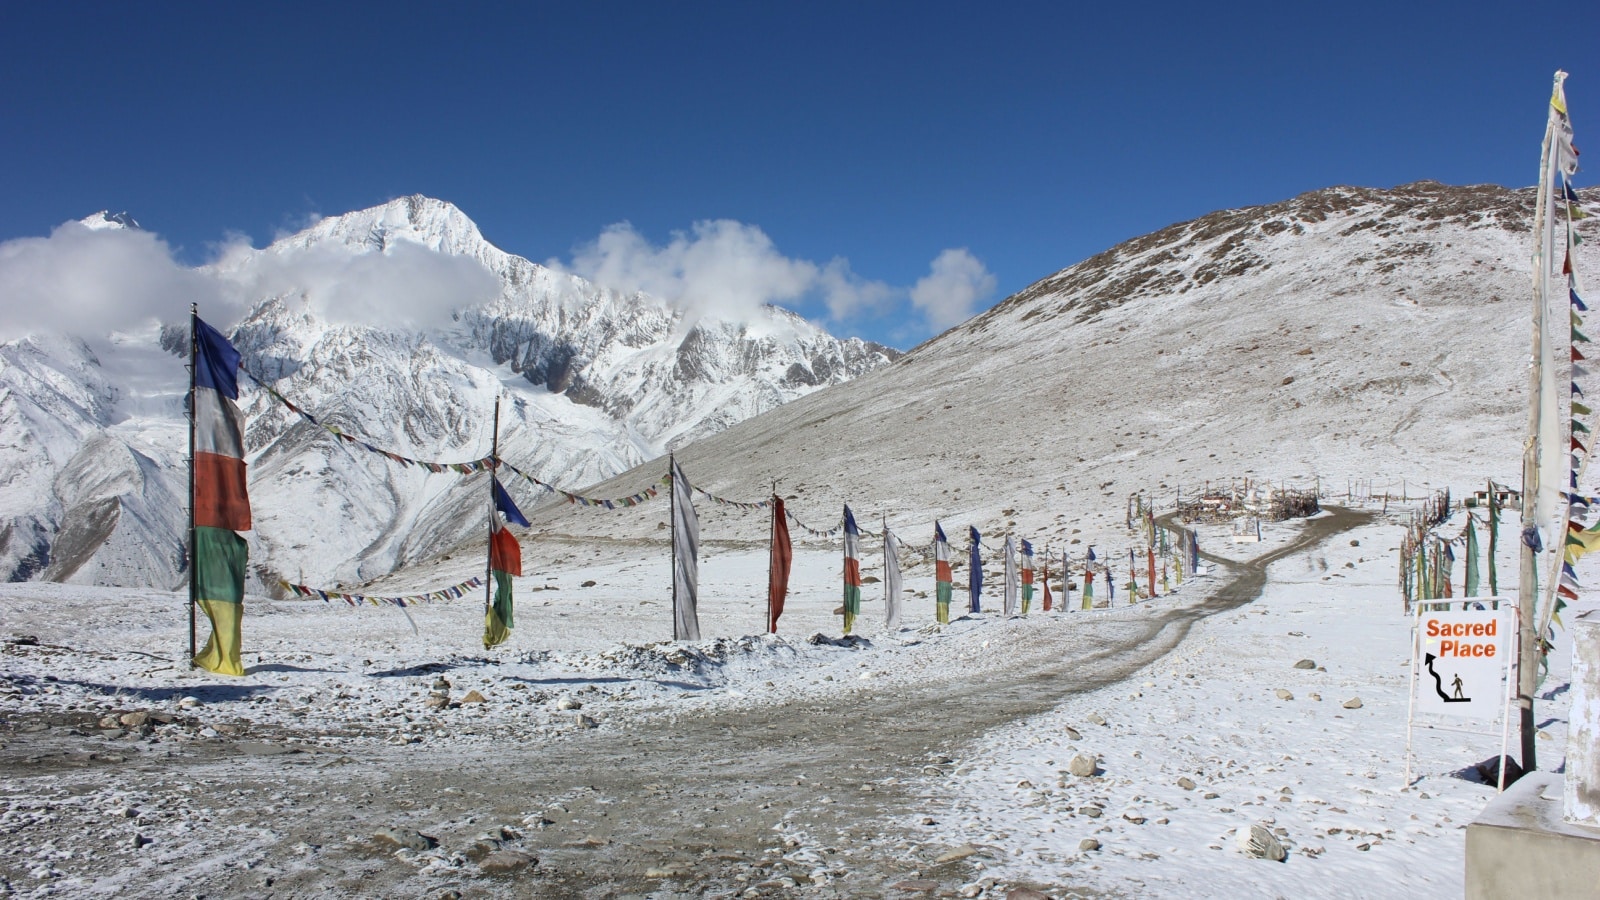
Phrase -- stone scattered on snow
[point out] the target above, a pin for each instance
(474, 697)
(1305, 664)
(1072, 733)
(1186, 782)
(1353, 703)
(1283, 694)
(405, 839)
(566, 703)
(1096, 719)
(1088, 844)
(961, 852)
(1260, 843)
(1083, 765)
(502, 862)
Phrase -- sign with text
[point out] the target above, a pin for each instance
(1463, 657)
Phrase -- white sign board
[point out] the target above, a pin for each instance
(1462, 660)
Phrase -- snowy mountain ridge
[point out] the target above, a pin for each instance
(596, 381)
(1349, 335)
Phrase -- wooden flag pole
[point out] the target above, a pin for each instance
(194, 583)
(494, 479)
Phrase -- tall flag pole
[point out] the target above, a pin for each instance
(891, 580)
(1469, 587)
(780, 561)
(1027, 576)
(194, 584)
(219, 502)
(974, 573)
(1543, 452)
(1009, 607)
(852, 569)
(685, 558)
(1150, 553)
(943, 580)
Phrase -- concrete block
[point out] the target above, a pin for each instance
(1522, 846)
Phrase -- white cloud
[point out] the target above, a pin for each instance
(955, 284)
(91, 282)
(850, 296)
(720, 268)
(407, 285)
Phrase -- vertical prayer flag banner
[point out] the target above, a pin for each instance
(685, 560)
(942, 578)
(852, 569)
(781, 561)
(1009, 607)
(975, 572)
(1088, 581)
(1046, 577)
(1027, 577)
(892, 585)
(221, 501)
(505, 562)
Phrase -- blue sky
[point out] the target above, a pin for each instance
(871, 140)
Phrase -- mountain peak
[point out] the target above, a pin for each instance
(107, 220)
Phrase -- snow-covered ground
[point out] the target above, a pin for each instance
(328, 677)
(1328, 779)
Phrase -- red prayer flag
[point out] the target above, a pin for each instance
(220, 497)
(782, 559)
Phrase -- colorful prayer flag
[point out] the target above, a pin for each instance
(505, 561)
(221, 499)
(852, 569)
(942, 578)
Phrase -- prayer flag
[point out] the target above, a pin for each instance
(943, 580)
(221, 500)
(975, 573)
(505, 561)
(852, 569)
(891, 582)
(1088, 581)
(781, 560)
(1009, 605)
(685, 560)
(1027, 577)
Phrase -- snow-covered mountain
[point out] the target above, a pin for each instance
(1349, 334)
(594, 382)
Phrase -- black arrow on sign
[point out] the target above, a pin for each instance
(1438, 683)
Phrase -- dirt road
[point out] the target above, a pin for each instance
(807, 798)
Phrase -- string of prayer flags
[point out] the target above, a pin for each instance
(762, 504)
(450, 593)
(649, 493)
(461, 468)
(220, 501)
(1578, 541)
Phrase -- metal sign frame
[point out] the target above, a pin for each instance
(1514, 638)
